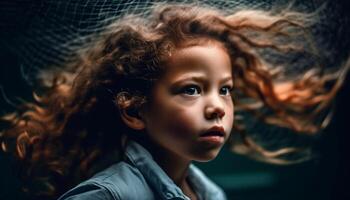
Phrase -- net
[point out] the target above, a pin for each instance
(48, 32)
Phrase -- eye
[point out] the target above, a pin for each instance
(225, 91)
(191, 90)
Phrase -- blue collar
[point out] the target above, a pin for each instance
(160, 181)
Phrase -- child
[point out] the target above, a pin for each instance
(125, 120)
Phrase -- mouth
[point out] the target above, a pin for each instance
(214, 131)
(215, 136)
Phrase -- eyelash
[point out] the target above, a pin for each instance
(194, 90)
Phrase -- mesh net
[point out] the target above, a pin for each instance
(48, 32)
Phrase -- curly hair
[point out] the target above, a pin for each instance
(75, 123)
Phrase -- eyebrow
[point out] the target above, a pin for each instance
(200, 78)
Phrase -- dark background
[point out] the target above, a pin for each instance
(324, 178)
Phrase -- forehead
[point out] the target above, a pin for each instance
(208, 57)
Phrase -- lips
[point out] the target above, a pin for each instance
(214, 131)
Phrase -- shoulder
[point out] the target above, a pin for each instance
(119, 181)
(87, 192)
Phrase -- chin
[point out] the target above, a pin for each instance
(208, 156)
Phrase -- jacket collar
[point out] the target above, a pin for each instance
(160, 181)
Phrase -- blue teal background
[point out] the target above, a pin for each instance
(324, 178)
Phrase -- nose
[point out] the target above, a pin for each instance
(214, 108)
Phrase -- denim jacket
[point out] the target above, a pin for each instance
(140, 177)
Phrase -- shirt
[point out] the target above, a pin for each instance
(140, 177)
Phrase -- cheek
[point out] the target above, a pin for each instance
(183, 123)
(229, 119)
(176, 121)
(229, 115)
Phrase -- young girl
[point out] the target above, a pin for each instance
(147, 97)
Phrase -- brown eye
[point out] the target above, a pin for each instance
(225, 91)
(191, 90)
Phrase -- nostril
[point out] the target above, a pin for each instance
(213, 113)
(220, 113)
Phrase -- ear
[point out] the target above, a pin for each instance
(132, 121)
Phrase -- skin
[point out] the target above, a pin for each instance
(191, 97)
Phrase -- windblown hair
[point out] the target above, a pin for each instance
(75, 122)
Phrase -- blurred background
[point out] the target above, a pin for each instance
(37, 34)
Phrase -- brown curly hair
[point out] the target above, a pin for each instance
(75, 123)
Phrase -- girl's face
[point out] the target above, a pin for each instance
(191, 110)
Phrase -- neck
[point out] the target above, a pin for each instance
(175, 166)
(177, 169)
